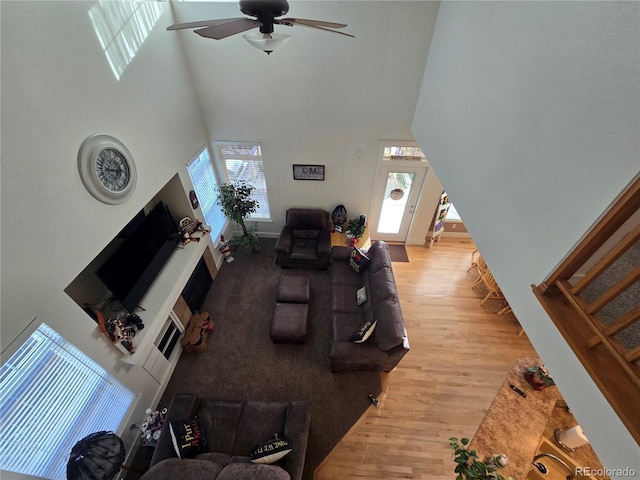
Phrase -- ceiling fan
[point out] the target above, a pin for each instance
(265, 13)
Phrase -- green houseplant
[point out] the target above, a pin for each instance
(469, 466)
(236, 203)
(355, 229)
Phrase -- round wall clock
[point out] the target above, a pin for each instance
(106, 168)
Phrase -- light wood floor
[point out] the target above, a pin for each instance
(460, 355)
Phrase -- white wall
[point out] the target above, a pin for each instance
(57, 88)
(529, 112)
(319, 99)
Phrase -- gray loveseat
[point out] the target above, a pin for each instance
(233, 429)
(388, 343)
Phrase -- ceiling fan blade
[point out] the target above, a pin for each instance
(312, 23)
(202, 23)
(227, 29)
(291, 24)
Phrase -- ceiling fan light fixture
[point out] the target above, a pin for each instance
(267, 42)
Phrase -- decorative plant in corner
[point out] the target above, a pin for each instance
(468, 466)
(236, 203)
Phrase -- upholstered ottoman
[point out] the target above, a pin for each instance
(293, 289)
(289, 323)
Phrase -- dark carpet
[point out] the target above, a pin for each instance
(242, 363)
(398, 253)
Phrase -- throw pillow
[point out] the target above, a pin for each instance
(361, 335)
(358, 260)
(272, 450)
(188, 437)
(361, 295)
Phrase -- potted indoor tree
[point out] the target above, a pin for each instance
(236, 203)
(470, 467)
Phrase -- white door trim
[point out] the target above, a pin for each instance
(384, 167)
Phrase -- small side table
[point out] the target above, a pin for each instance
(339, 239)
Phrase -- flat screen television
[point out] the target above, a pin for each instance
(131, 269)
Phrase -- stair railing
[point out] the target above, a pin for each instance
(614, 367)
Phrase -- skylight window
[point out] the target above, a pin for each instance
(122, 28)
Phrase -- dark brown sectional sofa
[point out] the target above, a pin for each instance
(233, 429)
(388, 343)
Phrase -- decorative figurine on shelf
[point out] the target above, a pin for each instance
(225, 249)
(152, 426)
(188, 229)
(131, 319)
(115, 330)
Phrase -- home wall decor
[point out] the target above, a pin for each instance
(308, 172)
(106, 168)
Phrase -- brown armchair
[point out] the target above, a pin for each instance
(305, 239)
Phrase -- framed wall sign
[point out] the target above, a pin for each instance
(308, 172)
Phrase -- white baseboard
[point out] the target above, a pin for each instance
(456, 235)
(268, 234)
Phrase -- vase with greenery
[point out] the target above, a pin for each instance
(236, 203)
(469, 466)
(355, 229)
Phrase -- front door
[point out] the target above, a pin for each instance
(396, 195)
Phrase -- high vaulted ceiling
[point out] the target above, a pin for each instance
(371, 81)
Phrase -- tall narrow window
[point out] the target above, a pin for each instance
(51, 396)
(243, 162)
(203, 177)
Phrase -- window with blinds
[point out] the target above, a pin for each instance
(204, 180)
(53, 395)
(243, 162)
